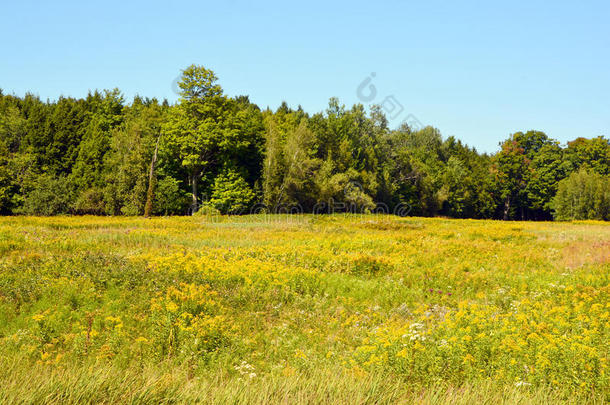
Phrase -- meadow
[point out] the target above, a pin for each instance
(303, 309)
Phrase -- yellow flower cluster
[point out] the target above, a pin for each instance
(556, 337)
(187, 318)
(428, 300)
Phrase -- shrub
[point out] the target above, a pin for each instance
(49, 196)
(90, 202)
(169, 198)
(583, 195)
(207, 210)
(231, 194)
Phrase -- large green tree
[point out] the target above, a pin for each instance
(99, 155)
(583, 195)
(197, 127)
(513, 170)
(127, 161)
(591, 154)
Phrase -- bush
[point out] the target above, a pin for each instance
(583, 195)
(49, 196)
(6, 182)
(231, 194)
(344, 192)
(169, 199)
(90, 202)
(207, 210)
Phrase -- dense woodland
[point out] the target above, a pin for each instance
(213, 153)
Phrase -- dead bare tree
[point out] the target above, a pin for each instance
(150, 194)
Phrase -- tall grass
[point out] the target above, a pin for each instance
(163, 384)
(306, 309)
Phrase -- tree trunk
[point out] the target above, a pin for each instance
(506, 207)
(150, 194)
(194, 178)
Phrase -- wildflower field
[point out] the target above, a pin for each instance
(303, 309)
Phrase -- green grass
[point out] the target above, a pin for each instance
(305, 309)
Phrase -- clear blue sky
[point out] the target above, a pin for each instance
(477, 70)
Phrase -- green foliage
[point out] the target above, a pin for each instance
(231, 194)
(548, 168)
(340, 159)
(128, 159)
(49, 195)
(90, 201)
(12, 127)
(207, 211)
(170, 199)
(6, 181)
(583, 195)
(197, 126)
(342, 192)
(290, 164)
(415, 170)
(591, 154)
(107, 115)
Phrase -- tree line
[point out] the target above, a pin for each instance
(209, 152)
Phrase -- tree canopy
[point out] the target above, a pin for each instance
(102, 155)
